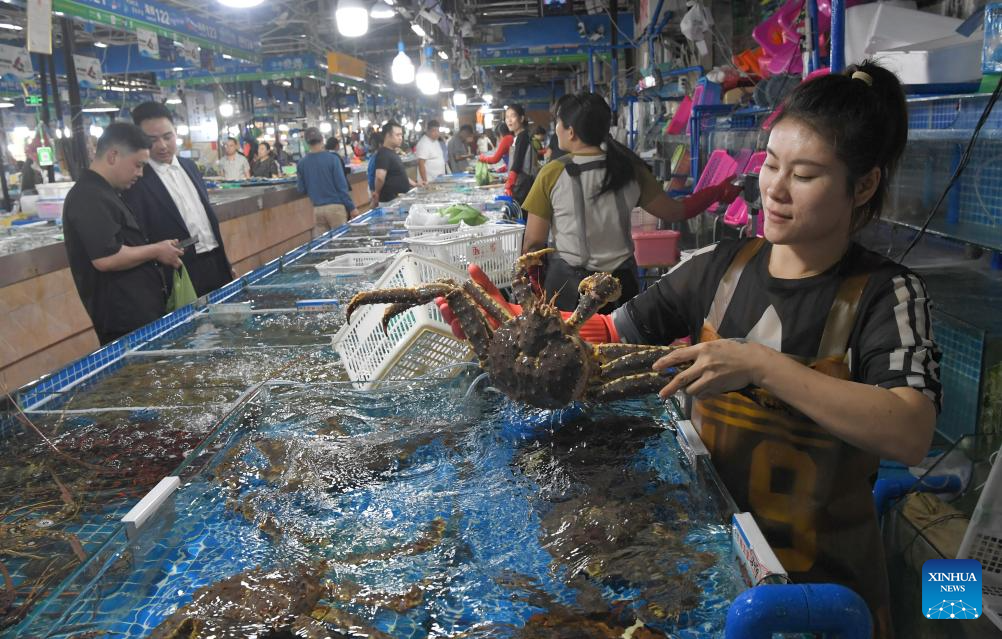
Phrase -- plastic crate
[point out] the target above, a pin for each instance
(492, 247)
(361, 264)
(416, 342)
(430, 229)
(655, 248)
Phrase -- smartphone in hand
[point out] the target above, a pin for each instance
(191, 241)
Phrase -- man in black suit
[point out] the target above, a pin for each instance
(170, 201)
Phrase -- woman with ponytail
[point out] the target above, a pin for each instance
(835, 338)
(583, 200)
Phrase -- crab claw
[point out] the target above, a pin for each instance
(399, 299)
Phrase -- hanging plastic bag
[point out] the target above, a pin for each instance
(183, 292)
(482, 174)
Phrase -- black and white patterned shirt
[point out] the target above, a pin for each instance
(891, 344)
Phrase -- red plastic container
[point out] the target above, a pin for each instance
(655, 248)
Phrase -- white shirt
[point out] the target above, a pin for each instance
(235, 168)
(185, 197)
(431, 152)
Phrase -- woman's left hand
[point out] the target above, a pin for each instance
(718, 366)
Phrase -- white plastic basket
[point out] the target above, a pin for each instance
(416, 342)
(429, 229)
(360, 264)
(492, 247)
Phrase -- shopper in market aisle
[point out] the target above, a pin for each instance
(233, 165)
(459, 149)
(839, 335)
(171, 201)
(500, 154)
(391, 176)
(431, 159)
(114, 264)
(320, 174)
(583, 202)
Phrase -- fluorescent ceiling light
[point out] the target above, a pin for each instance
(11, 27)
(418, 29)
(100, 106)
(443, 55)
(6, 104)
(173, 99)
(99, 45)
(240, 4)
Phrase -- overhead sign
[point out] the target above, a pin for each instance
(202, 123)
(149, 43)
(39, 26)
(163, 20)
(89, 74)
(32, 100)
(345, 65)
(493, 57)
(189, 52)
(15, 63)
(284, 67)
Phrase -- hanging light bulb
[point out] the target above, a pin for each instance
(352, 18)
(449, 115)
(326, 127)
(225, 109)
(426, 79)
(488, 98)
(173, 99)
(459, 98)
(182, 129)
(402, 69)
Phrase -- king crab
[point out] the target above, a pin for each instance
(537, 357)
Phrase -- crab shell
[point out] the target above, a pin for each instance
(534, 358)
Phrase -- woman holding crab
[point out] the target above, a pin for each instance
(838, 334)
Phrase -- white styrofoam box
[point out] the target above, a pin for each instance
(416, 341)
(54, 189)
(884, 25)
(954, 58)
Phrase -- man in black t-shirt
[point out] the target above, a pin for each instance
(391, 177)
(114, 266)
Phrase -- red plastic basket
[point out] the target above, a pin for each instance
(655, 248)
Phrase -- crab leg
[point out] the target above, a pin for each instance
(521, 286)
(495, 310)
(400, 299)
(637, 361)
(629, 386)
(596, 291)
(609, 351)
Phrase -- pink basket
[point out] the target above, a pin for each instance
(680, 120)
(655, 248)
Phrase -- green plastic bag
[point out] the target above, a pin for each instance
(183, 292)
(482, 174)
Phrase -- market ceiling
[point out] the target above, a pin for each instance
(286, 27)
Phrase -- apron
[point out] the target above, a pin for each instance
(527, 168)
(809, 491)
(561, 278)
